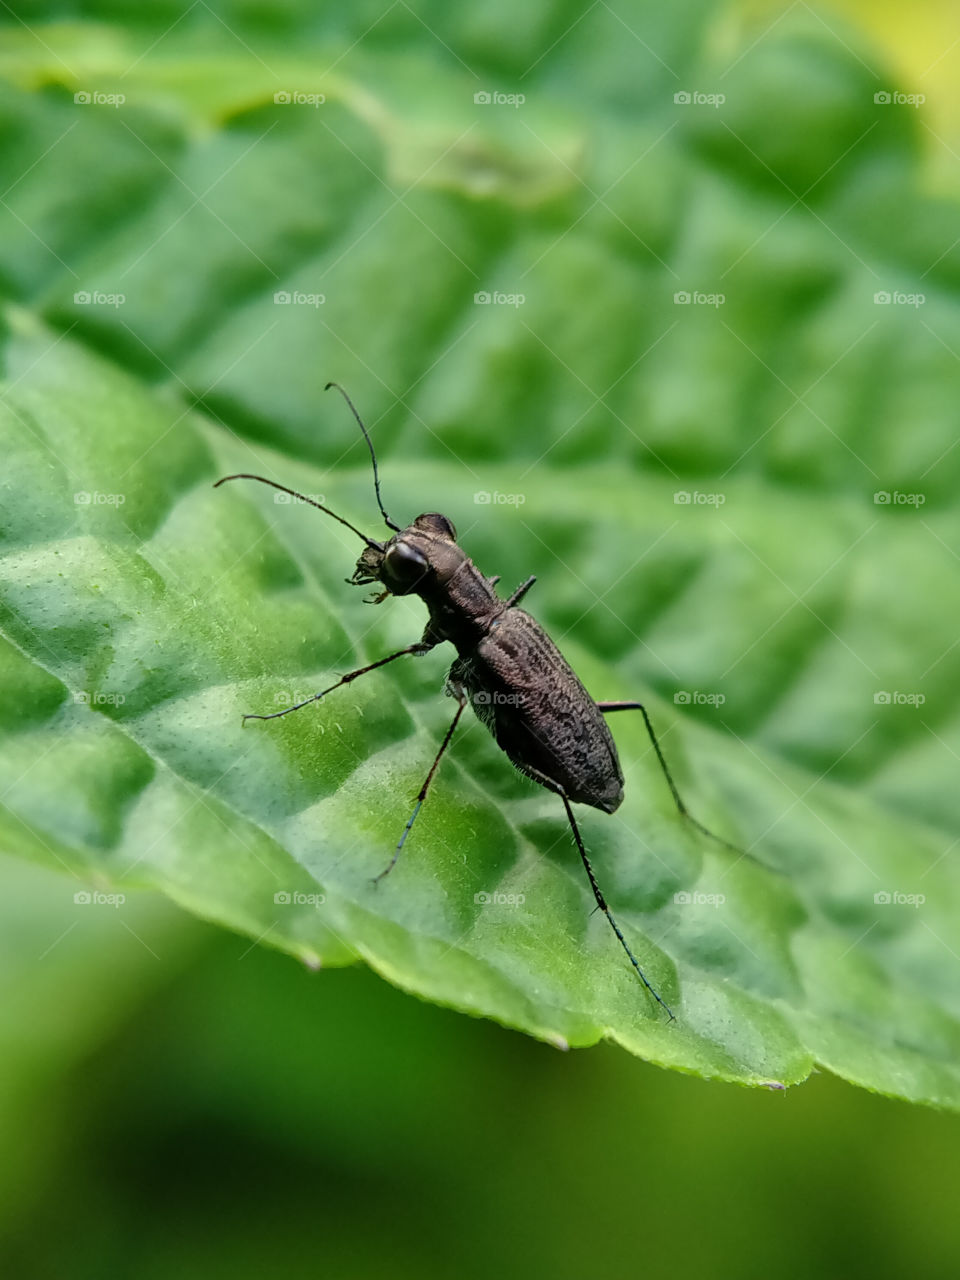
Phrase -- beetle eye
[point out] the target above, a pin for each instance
(403, 567)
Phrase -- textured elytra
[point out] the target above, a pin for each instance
(525, 692)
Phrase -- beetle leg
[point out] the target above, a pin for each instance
(421, 794)
(678, 800)
(602, 905)
(601, 901)
(417, 648)
(520, 592)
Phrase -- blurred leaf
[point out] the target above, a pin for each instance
(698, 526)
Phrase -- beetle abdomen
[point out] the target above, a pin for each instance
(522, 688)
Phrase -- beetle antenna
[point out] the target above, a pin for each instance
(245, 475)
(373, 457)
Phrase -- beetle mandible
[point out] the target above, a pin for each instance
(519, 684)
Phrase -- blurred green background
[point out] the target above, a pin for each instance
(182, 1103)
(177, 1101)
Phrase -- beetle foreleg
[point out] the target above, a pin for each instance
(417, 648)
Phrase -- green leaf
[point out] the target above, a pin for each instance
(693, 484)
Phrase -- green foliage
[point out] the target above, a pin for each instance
(142, 622)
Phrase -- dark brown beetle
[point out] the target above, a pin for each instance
(507, 667)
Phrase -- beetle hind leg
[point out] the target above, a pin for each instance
(602, 906)
(665, 770)
(597, 891)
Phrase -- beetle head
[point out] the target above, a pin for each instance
(415, 560)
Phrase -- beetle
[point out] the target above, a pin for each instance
(507, 668)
